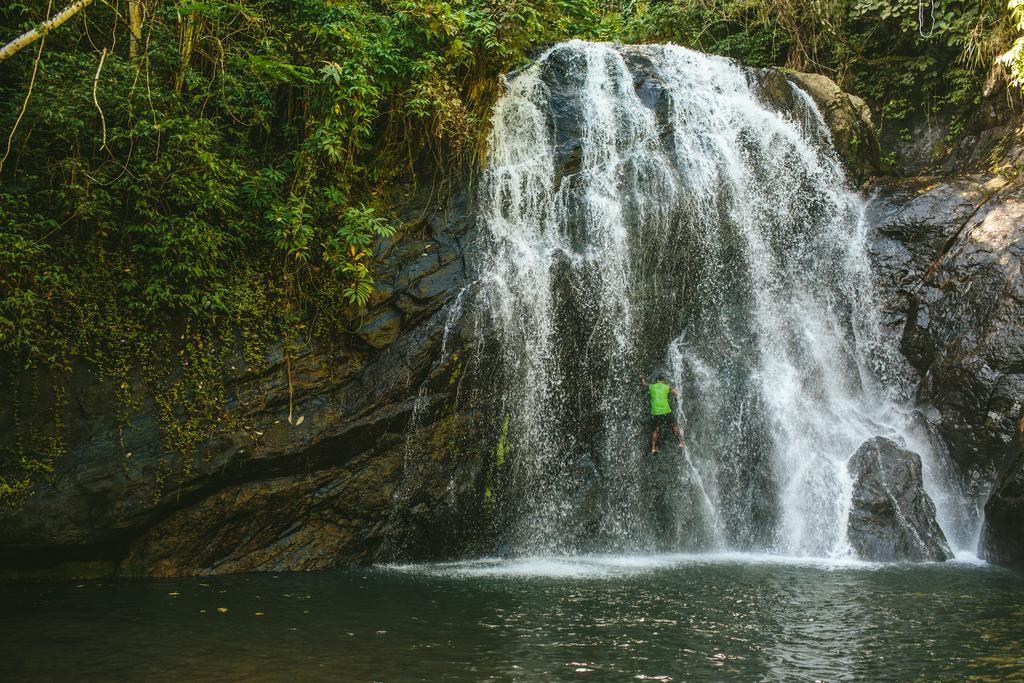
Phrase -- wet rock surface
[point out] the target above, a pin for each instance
(391, 502)
(891, 516)
(365, 476)
(947, 255)
(848, 116)
(1003, 534)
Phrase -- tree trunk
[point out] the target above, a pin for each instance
(188, 29)
(134, 27)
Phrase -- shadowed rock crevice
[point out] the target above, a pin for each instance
(1003, 537)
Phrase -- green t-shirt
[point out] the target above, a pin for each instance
(659, 399)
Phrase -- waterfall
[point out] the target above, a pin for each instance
(642, 211)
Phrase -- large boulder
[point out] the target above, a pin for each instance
(891, 517)
(848, 117)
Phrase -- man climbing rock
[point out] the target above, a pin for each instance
(661, 411)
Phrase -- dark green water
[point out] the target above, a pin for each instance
(664, 618)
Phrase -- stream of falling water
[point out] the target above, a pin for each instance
(643, 211)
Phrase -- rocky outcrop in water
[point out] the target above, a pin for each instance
(892, 519)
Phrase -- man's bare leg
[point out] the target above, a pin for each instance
(679, 436)
(654, 441)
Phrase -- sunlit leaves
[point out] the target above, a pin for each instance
(1014, 57)
(348, 251)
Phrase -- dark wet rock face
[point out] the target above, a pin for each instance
(567, 69)
(392, 502)
(912, 220)
(294, 522)
(947, 254)
(1003, 535)
(891, 516)
(376, 470)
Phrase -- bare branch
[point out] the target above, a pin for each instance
(24, 104)
(95, 84)
(29, 37)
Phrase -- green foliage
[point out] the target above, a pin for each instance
(209, 186)
(494, 475)
(348, 250)
(502, 450)
(734, 28)
(1014, 57)
(876, 48)
(457, 370)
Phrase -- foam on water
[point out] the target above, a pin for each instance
(615, 566)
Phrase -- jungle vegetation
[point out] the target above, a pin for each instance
(181, 179)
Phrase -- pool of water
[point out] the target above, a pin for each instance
(672, 617)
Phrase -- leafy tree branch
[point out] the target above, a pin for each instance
(34, 34)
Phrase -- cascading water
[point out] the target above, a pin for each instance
(643, 210)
